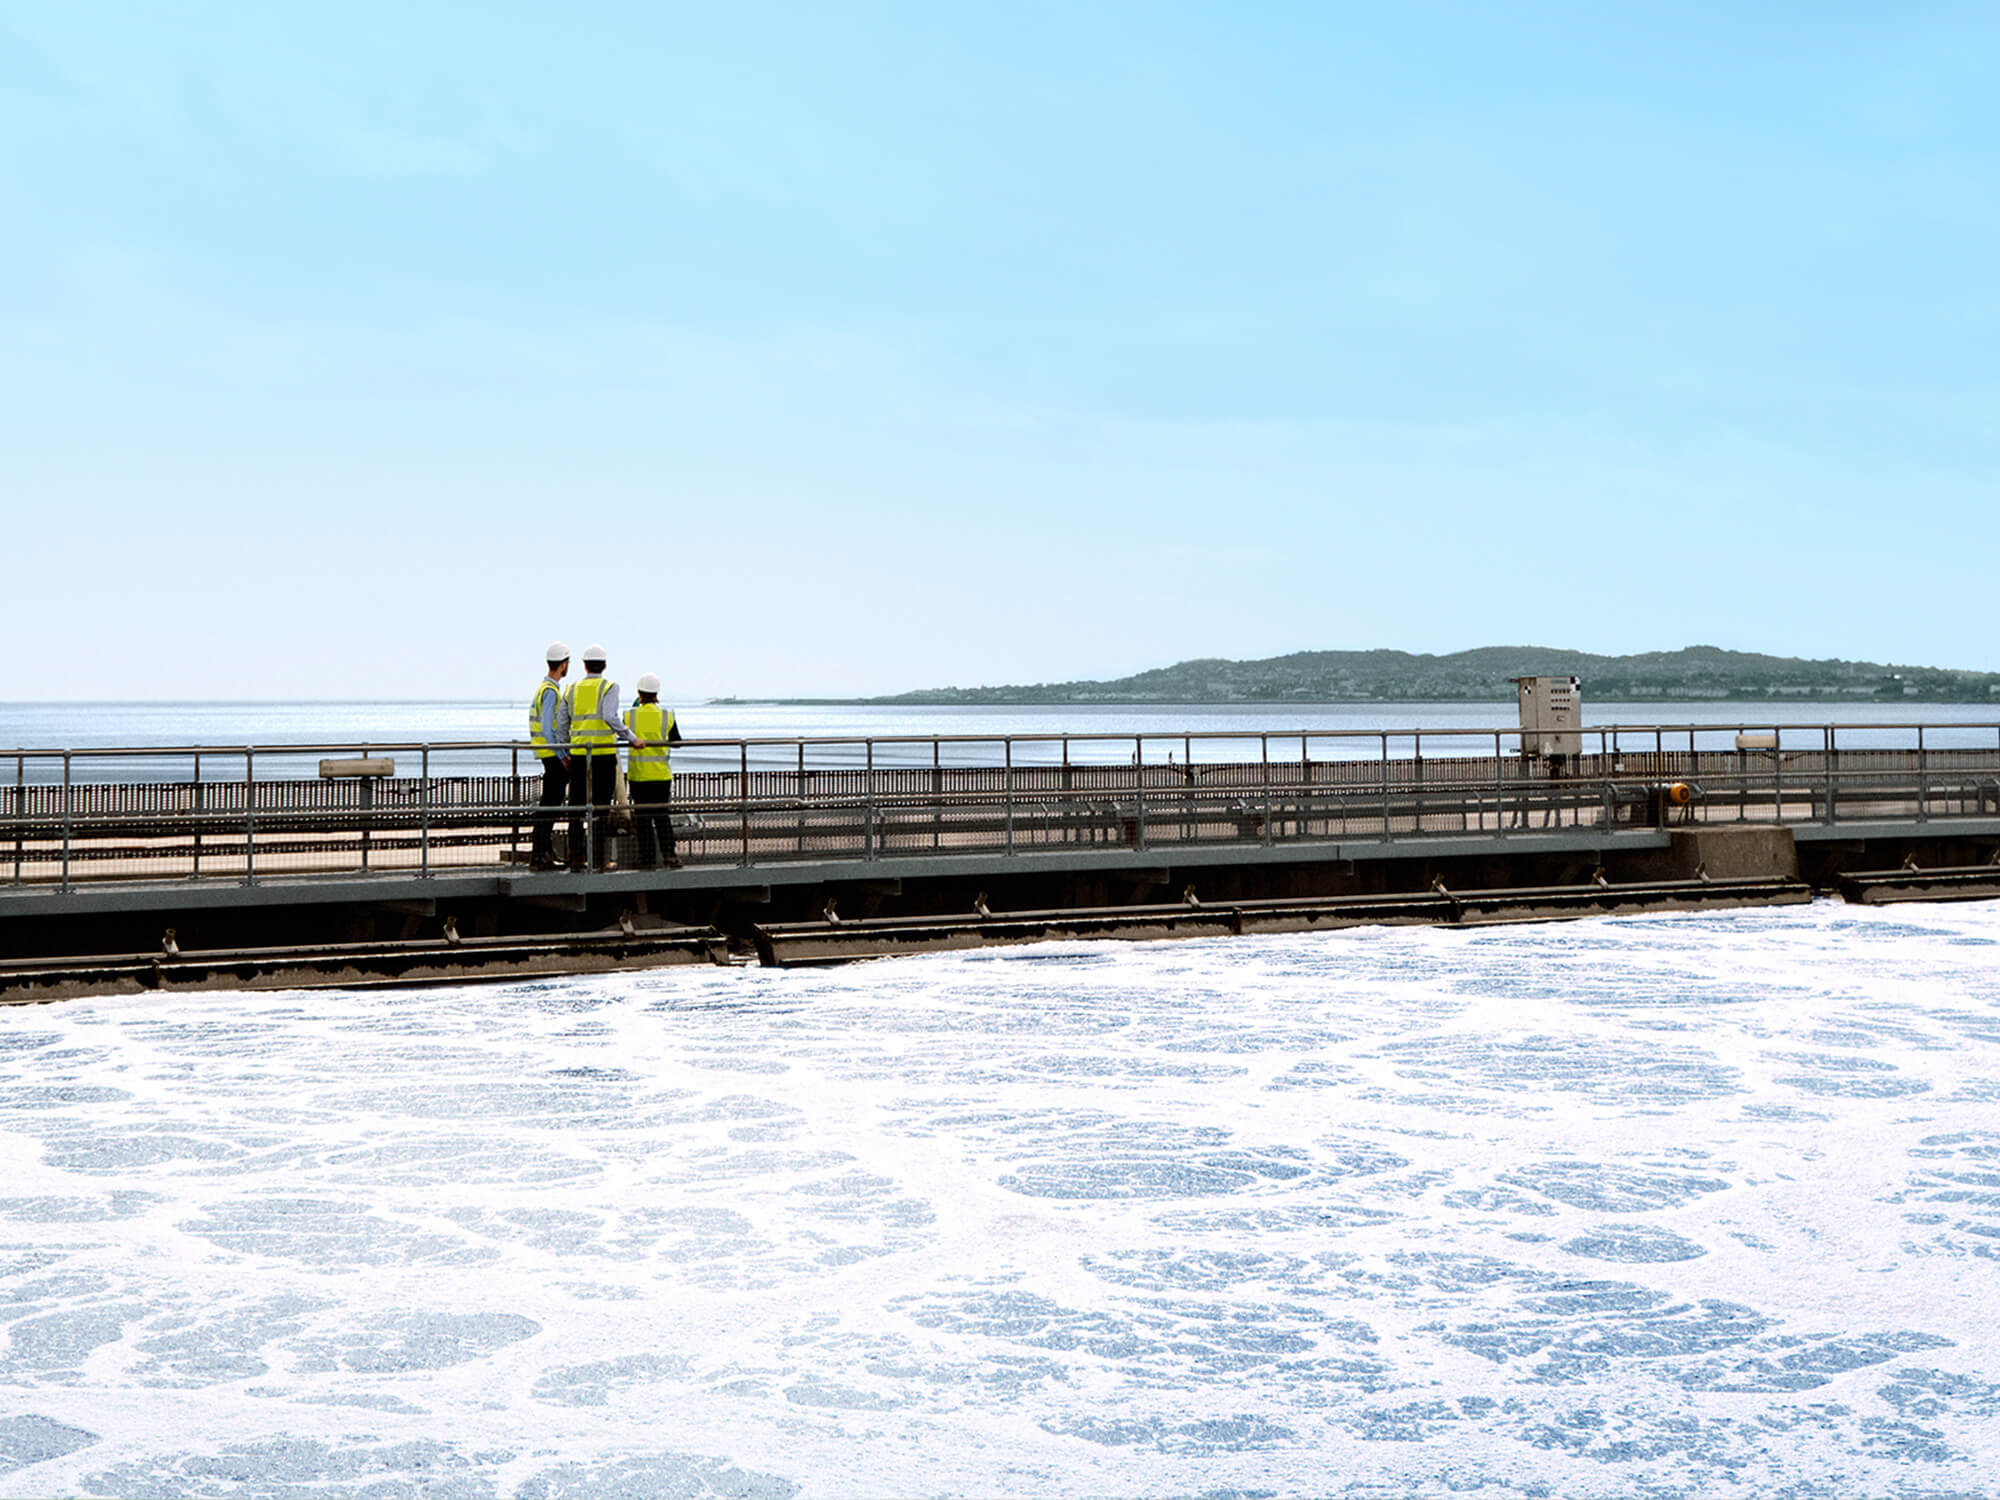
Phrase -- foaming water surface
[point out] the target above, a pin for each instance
(1664, 1205)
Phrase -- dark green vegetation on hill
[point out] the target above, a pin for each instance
(1696, 672)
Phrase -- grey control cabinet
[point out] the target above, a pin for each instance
(1551, 717)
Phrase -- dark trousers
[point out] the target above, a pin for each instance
(555, 781)
(593, 781)
(655, 825)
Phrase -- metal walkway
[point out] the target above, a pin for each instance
(143, 869)
(217, 819)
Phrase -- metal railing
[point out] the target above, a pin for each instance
(248, 814)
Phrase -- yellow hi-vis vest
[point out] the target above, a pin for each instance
(651, 722)
(543, 750)
(588, 733)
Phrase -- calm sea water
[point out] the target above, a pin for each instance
(1668, 1206)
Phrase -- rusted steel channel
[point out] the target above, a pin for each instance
(835, 941)
(813, 850)
(1912, 882)
(441, 960)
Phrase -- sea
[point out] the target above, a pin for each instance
(1667, 1205)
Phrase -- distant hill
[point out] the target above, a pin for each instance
(1482, 675)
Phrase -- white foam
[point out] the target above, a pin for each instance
(1680, 1203)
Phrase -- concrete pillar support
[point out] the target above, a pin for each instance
(1752, 850)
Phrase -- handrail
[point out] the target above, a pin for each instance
(433, 822)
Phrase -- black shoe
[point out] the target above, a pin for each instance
(672, 862)
(541, 863)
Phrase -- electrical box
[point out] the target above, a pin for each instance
(333, 769)
(1551, 717)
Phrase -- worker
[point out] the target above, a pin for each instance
(590, 728)
(547, 741)
(650, 775)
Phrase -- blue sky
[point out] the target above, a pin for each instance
(358, 350)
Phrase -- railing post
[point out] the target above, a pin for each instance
(799, 798)
(1306, 801)
(65, 820)
(868, 781)
(249, 816)
(20, 813)
(1417, 778)
(1007, 760)
(1385, 789)
(1066, 819)
(1778, 774)
(1499, 789)
(743, 795)
(365, 800)
(424, 809)
(1609, 813)
(200, 807)
(589, 808)
(1139, 789)
(514, 799)
(1265, 743)
(1923, 778)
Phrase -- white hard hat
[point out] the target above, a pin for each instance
(557, 652)
(649, 682)
(594, 653)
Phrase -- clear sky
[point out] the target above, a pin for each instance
(357, 350)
